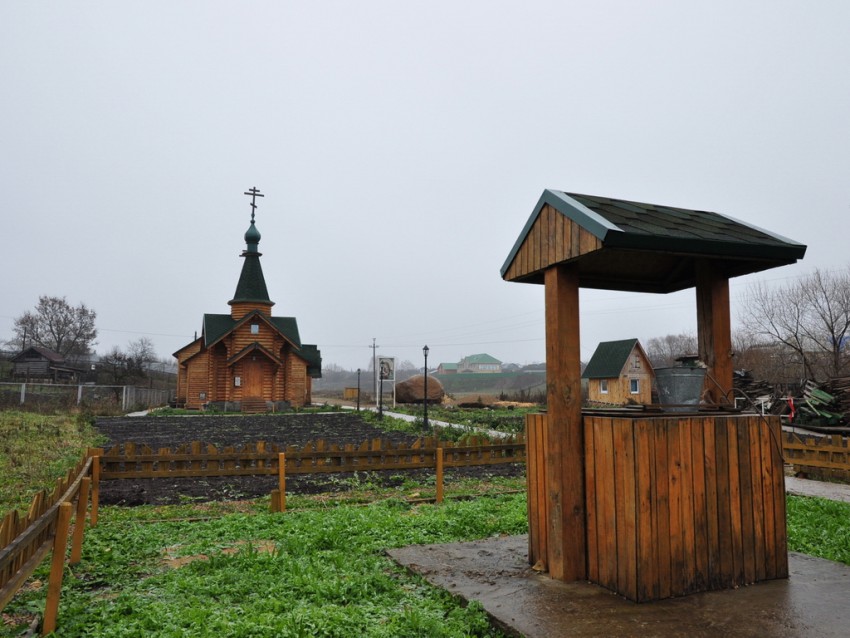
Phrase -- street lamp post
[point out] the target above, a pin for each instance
(358, 389)
(425, 398)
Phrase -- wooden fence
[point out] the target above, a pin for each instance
(199, 459)
(26, 540)
(817, 456)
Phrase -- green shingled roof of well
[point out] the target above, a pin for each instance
(653, 248)
(608, 360)
(650, 220)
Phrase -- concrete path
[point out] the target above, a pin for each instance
(410, 418)
(807, 487)
(812, 602)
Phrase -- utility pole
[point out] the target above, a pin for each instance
(374, 371)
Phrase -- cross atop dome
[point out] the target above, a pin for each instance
(254, 192)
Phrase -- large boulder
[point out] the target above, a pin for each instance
(413, 390)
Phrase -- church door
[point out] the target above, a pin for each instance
(252, 376)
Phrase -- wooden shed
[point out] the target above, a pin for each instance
(247, 360)
(619, 372)
(650, 505)
(37, 363)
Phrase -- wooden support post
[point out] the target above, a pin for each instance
(567, 534)
(714, 332)
(274, 504)
(80, 522)
(439, 454)
(281, 480)
(57, 567)
(95, 485)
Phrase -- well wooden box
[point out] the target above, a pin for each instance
(674, 504)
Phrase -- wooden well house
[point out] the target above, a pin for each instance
(646, 503)
(249, 359)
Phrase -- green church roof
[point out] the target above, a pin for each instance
(252, 284)
(608, 360)
(313, 356)
(217, 326)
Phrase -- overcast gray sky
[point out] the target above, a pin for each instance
(401, 147)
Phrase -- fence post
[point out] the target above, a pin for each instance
(439, 454)
(80, 521)
(23, 393)
(95, 482)
(57, 567)
(281, 480)
(79, 394)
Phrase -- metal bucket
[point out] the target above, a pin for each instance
(679, 387)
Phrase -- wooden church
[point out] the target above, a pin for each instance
(247, 360)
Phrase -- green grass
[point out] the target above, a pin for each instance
(819, 527)
(314, 572)
(35, 450)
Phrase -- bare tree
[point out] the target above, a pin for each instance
(827, 299)
(810, 317)
(767, 360)
(130, 366)
(57, 325)
(663, 351)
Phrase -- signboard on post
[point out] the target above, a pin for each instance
(386, 372)
(386, 365)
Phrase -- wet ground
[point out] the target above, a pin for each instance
(813, 602)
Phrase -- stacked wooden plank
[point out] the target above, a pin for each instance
(839, 387)
(818, 406)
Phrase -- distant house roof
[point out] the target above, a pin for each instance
(624, 245)
(448, 366)
(608, 360)
(47, 353)
(480, 358)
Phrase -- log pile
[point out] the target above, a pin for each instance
(743, 381)
(757, 392)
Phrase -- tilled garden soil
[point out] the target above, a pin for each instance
(282, 429)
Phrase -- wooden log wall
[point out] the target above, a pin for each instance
(199, 459)
(678, 505)
(818, 456)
